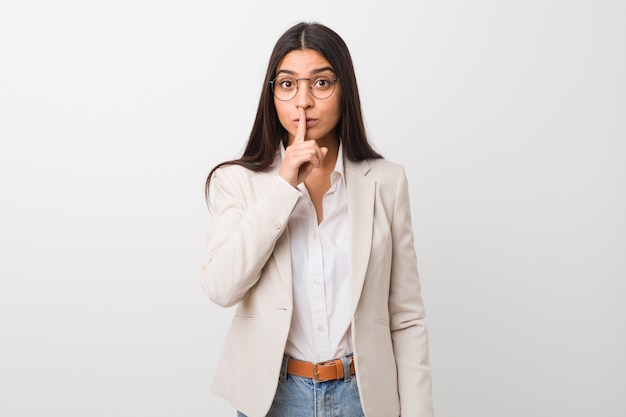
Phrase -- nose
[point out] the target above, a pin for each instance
(303, 98)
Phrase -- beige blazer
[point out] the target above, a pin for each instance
(247, 262)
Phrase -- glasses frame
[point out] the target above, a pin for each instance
(297, 81)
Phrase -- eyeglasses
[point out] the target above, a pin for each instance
(285, 88)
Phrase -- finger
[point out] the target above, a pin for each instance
(307, 152)
(298, 155)
(301, 133)
(324, 151)
(300, 159)
(319, 156)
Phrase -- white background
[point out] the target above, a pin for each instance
(510, 117)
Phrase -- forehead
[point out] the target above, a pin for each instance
(302, 61)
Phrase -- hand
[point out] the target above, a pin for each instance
(301, 157)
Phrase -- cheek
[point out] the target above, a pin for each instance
(335, 113)
(283, 114)
(335, 107)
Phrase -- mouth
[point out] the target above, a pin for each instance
(309, 122)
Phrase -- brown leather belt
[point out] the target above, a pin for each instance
(319, 372)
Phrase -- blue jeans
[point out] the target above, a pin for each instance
(297, 396)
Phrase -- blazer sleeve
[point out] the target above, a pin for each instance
(246, 221)
(406, 308)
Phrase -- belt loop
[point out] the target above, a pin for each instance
(346, 360)
(283, 369)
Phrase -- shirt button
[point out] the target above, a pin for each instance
(316, 282)
(276, 225)
(320, 328)
(314, 236)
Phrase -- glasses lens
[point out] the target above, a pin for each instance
(285, 88)
(322, 87)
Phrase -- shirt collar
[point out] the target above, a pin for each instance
(339, 168)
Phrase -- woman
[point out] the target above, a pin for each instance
(311, 237)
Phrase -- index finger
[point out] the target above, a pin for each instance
(301, 133)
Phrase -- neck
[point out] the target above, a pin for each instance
(333, 153)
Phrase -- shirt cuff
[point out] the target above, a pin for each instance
(289, 185)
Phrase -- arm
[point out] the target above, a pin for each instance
(242, 232)
(406, 308)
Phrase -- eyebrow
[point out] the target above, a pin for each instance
(315, 71)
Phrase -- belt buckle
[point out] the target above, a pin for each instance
(316, 374)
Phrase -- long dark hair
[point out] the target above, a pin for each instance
(267, 132)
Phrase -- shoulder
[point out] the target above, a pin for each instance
(235, 173)
(235, 170)
(382, 170)
(232, 171)
(385, 166)
(236, 182)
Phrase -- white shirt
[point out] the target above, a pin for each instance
(320, 265)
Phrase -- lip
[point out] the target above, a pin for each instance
(309, 122)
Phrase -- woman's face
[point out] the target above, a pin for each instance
(302, 67)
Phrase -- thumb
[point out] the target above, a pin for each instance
(324, 151)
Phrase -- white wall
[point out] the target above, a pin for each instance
(509, 116)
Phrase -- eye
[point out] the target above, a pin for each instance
(322, 83)
(286, 83)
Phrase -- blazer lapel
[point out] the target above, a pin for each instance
(282, 256)
(361, 192)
